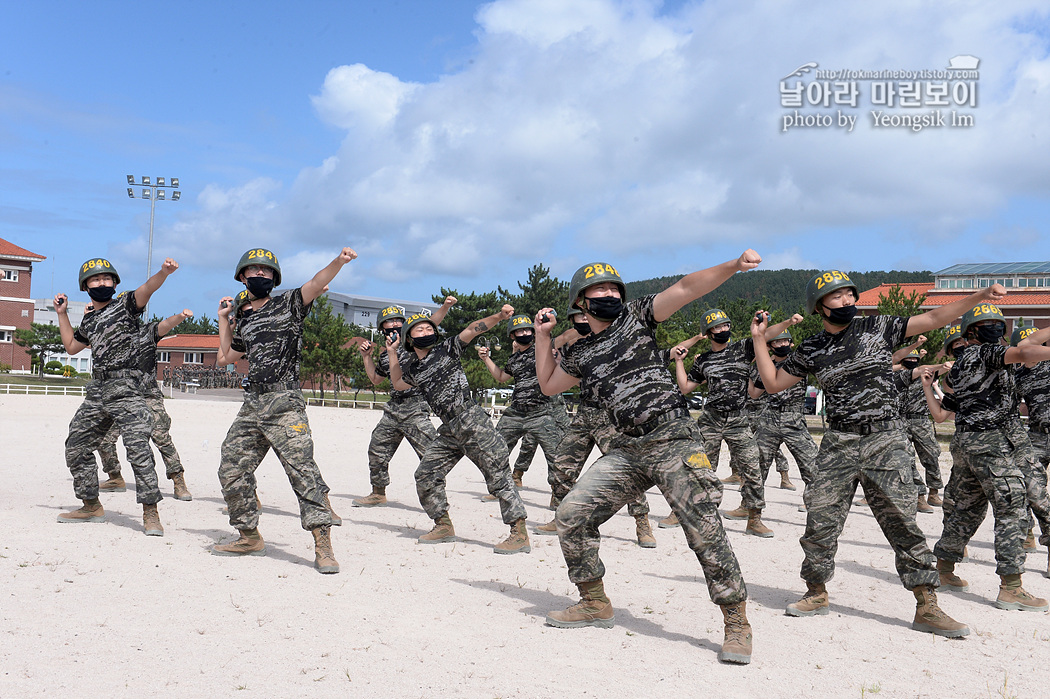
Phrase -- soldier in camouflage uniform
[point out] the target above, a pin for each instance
(989, 448)
(865, 443)
(783, 421)
(725, 368)
(911, 403)
(530, 412)
(148, 337)
(591, 427)
(1033, 385)
(405, 416)
(755, 412)
(657, 443)
(115, 394)
(274, 410)
(434, 366)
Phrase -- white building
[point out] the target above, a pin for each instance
(364, 310)
(45, 314)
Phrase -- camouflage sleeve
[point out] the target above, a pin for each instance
(992, 356)
(748, 349)
(696, 372)
(950, 402)
(642, 309)
(153, 332)
(901, 379)
(79, 337)
(568, 362)
(237, 343)
(299, 309)
(455, 346)
(133, 308)
(797, 363)
(894, 329)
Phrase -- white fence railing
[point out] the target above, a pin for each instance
(36, 390)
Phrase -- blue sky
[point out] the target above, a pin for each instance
(456, 143)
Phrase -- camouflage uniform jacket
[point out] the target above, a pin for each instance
(726, 373)
(527, 395)
(383, 369)
(911, 400)
(1034, 386)
(790, 400)
(272, 338)
(111, 334)
(626, 369)
(440, 376)
(984, 395)
(854, 367)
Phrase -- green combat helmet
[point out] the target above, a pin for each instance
(263, 258)
(984, 311)
(519, 322)
(783, 336)
(823, 284)
(391, 313)
(95, 266)
(594, 273)
(954, 333)
(1022, 331)
(713, 318)
(411, 322)
(239, 300)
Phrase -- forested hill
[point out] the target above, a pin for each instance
(785, 288)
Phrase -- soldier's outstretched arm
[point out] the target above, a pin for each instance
(168, 324)
(552, 378)
(150, 286)
(692, 286)
(497, 373)
(316, 286)
(65, 328)
(480, 326)
(439, 315)
(942, 315)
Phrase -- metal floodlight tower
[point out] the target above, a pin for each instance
(153, 192)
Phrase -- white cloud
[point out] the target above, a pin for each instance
(607, 121)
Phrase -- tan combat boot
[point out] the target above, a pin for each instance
(151, 520)
(949, 580)
(785, 482)
(1013, 596)
(814, 603)
(755, 527)
(91, 512)
(324, 557)
(732, 479)
(933, 499)
(1029, 541)
(644, 531)
(669, 522)
(547, 529)
(739, 513)
(113, 484)
(922, 506)
(250, 543)
(178, 484)
(377, 498)
(736, 646)
(931, 618)
(517, 542)
(443, 531)
(337, 521)
(593, 609)
(517, 476)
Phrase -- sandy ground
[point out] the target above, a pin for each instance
(104, 609)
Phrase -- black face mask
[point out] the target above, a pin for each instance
(841, 316)
(582, 328)
(525, 339)
(259, 287)
(425, 341)
(101, 293)
(246, 313)
(605, 308)
(721, 338)
(956, 351)
(782, 351)
(910, 363)
(991, 333)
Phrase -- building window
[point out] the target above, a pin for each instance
(192, 357)
(1009, 283)
(6, 336)
(968, 283)
(9, 275)
(164, 357)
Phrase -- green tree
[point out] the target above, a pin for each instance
(40, 341)
(539, 291)
(895, 303)
(324, 335)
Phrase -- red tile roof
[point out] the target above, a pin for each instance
(1014, 297)
(186, 341)
(8, 249)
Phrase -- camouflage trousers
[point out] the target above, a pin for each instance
(672, 458)
(469, 434)
(881, 463)
(407, 418)
(743, 453)
(541, 424)
(987, 470)
(159, 436)
(275, 420)
(590, 428)
(924, 439)
(107, 403)
(529, 442)
(776, 428)
(779, 457)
